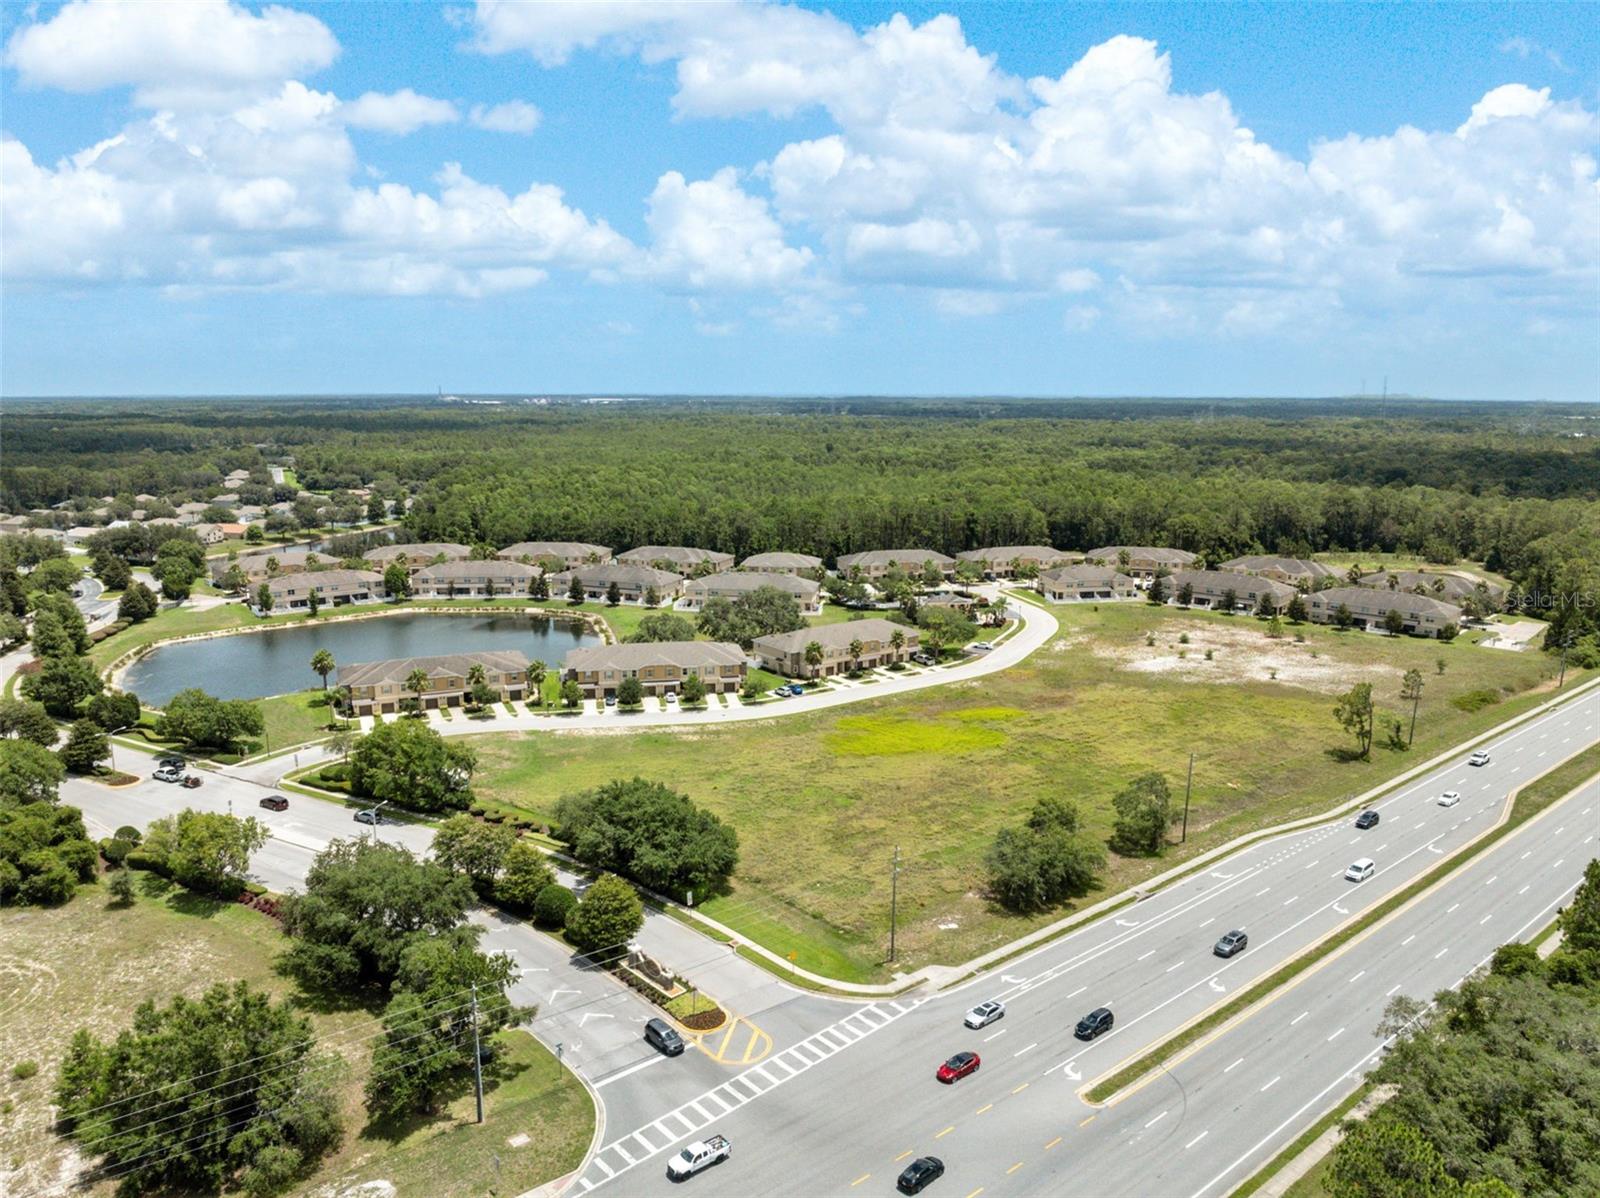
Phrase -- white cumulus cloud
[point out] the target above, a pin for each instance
(514, 116)
(398, 112)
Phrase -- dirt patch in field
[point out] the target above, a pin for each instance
(1239, 653)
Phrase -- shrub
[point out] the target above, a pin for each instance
(550, 906)
(338, 772)
(1475, 700)
(116, 850)
(129, 832)
(23, 1070)
(144, 859)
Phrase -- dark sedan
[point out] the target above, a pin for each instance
(919, 1174)
(1367, 819)
(1096, 1022)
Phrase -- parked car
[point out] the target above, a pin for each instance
(611, 700)
(672, 696)
(1361, 870)
(985, 1013)
(368, 815)
(1481, 757)
(1367, 819)
(171, 763)
(701, 1154)
(1450, 798)
(663, 1037)
(958, 1066)
(923, 659)
(980, 646)
(1233, 942)
(919, 1174)
(168, 774)
(191, 781)
(275, 803)
(1096, 1023)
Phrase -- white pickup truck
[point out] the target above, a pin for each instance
(701, 1154)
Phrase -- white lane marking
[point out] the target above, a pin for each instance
(1525, 889)
(1485, 920)
(1020, 1051)
(1492, 880)
(1230, 1068)
(1148, 955)
(1077, 992)
(1441, 952)
(1264, 890)
(1209, 922)
(1196, 1140)
(1298, 1018)
(1272, 1083)
(1359, 976)
(1293, 899)
(1451, 908)
(1335, 1036)
(654, 1060)
(1392, 989)
(1559, 864)
(1179, 965)
(1526, 855)
(1156, 1120)
(996, 1036)
(1408, 939)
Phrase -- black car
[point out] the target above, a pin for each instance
(1367, 819)
(661, 1035)
(170, 763)
(919, 1174)
(1093, 1024)
(1233, 942)
(275, 803)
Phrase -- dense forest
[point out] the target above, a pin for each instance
(1516, 486)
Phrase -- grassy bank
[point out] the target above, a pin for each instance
(820, 801)
(170, 942)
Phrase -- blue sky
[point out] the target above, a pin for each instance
(921, 199)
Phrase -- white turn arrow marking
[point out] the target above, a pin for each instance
(1340, 909)
(1223, 876)
(563, 990)
(1011, 981)
(588, 1015)
(1072, 1073)
(1127, 923)
(1217, 986)
(1435, 849)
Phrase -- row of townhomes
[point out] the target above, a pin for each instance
(334, 588)
(1003, 561)
(734, 584)
(878, 642)
(1081, 584)
(1421, 615)
(635, 584)
(875, 563)
(661, 667)
(384, 687)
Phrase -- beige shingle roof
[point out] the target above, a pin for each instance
(448, 665)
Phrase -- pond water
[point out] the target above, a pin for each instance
(254, 665)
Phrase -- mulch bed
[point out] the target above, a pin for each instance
(704, 1021)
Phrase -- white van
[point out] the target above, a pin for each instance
(1361, 870)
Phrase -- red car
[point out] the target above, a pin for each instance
(958, 1066)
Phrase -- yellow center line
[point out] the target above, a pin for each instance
(986, 1106)
(1013, 1168)
(945, 1132)
(1022, 1087)
(861, 1179)
(1087, 1121)
(1052, 1144)
(975, 1192)
(903, 1155)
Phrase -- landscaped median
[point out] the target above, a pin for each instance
(1528, 801)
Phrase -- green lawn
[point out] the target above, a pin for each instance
(170, 942)
(295, 718)
(181, 621)
(820, 801)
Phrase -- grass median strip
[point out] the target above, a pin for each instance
(1529, 801)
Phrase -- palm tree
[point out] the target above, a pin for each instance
(417, 683)
(814, 657)
(897, 641)
(1353, 574)
(322, 662)
(855, 654)
(477, 682)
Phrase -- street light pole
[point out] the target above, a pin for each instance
(477, 1054)
(894, 898)
(1188, 786)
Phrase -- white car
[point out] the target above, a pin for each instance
(980, 646)
(1450, 798)
(985, 1013)
(1361, 870)
(1481, 757)
(672, 696)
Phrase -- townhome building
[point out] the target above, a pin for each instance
(417, 555)
(1080, 584)
(1296, 571)
(875, 563)
(472, 579)
(634, 583)
(1213, 589)
(269, 563)
(785, 652)
(380, 687)
(1451, 588)
(660, 667)
(781, 563)
(1003, 561)
(190, 513)
(236, 478)
(679, 559)
(1141, 561)
(334, 588)
(1420, 615)
(735, 584)
(209, 534)
(558, 555)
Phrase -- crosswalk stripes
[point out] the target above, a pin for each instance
(619, 1156)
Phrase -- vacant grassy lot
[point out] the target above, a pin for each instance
(88, 965)
(820, 801)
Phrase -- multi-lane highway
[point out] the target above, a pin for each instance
(841, 1109)
(826, 1096)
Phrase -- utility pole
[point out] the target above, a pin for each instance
(1565, 641)
(477, 1054)
(894, 898)
(1188, 786)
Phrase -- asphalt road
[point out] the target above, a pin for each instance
(839, 1111)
